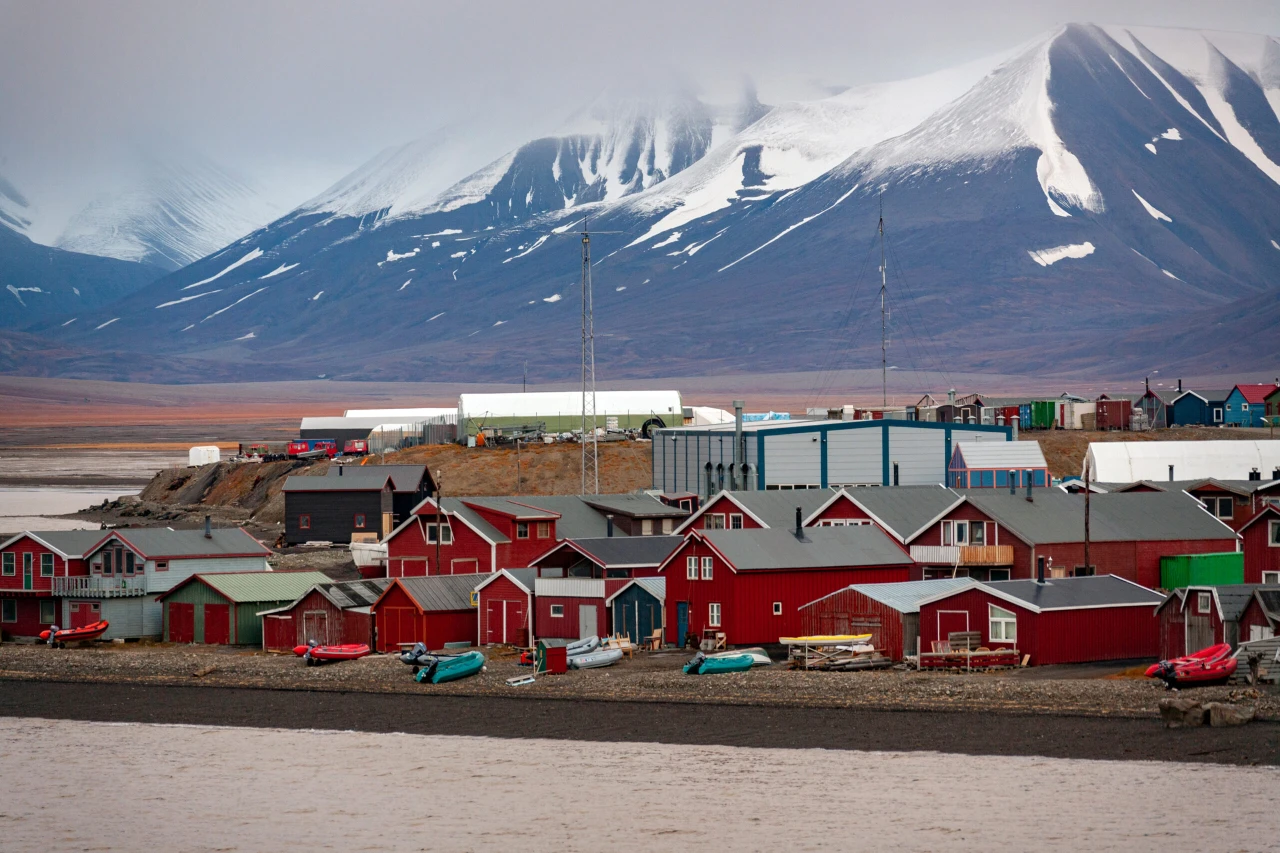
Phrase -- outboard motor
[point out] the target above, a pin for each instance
(411, 657)
(53, 636)
(695, 663)
(310, 661)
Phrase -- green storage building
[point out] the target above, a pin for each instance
(222, 609)
(1202, 570)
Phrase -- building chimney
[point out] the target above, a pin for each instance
(608, 525)
(1255, 474)
(739, 456)
(1013, 421)
(340, 467)
(208, 527)
(1275, 475)
(1039, 569)
(799, 526)
(1170, 473)
(895, 473)
(1013, 482)
(1179, 386)
(1030, 499)
(951, 397)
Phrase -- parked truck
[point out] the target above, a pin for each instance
(313, 448)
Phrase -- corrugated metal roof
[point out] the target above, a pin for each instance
(526, 577)
(1001, 454)
(615, 552)
(657, 587)
(636, 506)
(1067, 593)
(442, 592)
(577, 520)
(359, 478)
(823, 547)
(903, 597)
(71, 543)
(569, 587)
(351, 594)
(250, 587)
(1056, 516)
(905, 509)
(163, 542)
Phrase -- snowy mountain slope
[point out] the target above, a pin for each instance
(179, 208)
(1062, 204)
(15, 210)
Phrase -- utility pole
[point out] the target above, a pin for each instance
(884, 358)
(519, 481)
(439, 528)
(590, 459)
(1087, 490)
(524, 378)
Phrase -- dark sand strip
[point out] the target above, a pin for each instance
(960, 732)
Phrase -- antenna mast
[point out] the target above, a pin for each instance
(590, 461)
(884, 358)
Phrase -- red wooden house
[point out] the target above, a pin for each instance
(1196, 617)
(504, 608)
(889, 612)
(1261, 616)
(330, 613)
(1062, 620)
(429, 610)
(606, 557)
(1233, 502)
(449, 539)
(1261, 535)
(748, 584)
(28, 564)
(572, 608)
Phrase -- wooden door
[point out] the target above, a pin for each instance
(682, 622)
(396, 625)
(587, 626)
(217, 624)
(495, 613)
(315, 626)
(514, 629)
(182, 622)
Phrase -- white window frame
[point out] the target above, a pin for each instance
(1217, 415)
(443, 531)
(544, 530)
(951, 532)
(667, 526)
(51, 561)
(777, 608)
(1271, 578)
(707, 521)
(1244, 407)
(646, 527)
(1204, 602)
(691, 568)
(522, 530)
(713, 614)
(557, 611)
(9, 564)
(735, 521)
(977, 525)
(706, 568)
(1002, 625)
(1274, 530)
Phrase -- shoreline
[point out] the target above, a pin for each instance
(589, 720)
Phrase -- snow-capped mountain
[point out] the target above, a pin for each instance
(176, 208)
(1094, 187)
(15, 210)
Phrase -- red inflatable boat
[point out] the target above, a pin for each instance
(1212, 665)
(316, 654)
(85, 632)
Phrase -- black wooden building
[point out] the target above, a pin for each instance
(351, 500)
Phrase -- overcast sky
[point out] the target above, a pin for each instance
(295, 93)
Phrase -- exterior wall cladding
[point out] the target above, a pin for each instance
(851, 612)
(518, 553)
(746, 598)
(1259, 555)
(332, 515)
(566, 627)
(410, 555)
(399, 620)
(499, 591)
(1252, 618)
(1058, 636)
(315, 618)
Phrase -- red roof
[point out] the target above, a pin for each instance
(1255, 393)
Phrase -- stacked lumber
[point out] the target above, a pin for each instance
(965, 659)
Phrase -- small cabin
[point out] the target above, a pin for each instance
(428, 610)
(224, 609)
(331, 614)
(997, 465)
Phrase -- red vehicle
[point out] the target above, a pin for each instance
(355, 447)
(312, 448)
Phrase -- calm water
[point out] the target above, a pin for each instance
(29, 507)
(198, 788)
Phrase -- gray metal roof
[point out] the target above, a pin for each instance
(350, 594)
(454, 506)
(614, 551)
(442, 592)
(903, 597)
(657, 587)
(526, 577)
(359, 478)
(636, 506)
(1056, 516)
(778, 508)
(577, 520)
(905, 509)
(512, 506)
(69, 543)
(162, 542)
(1000, 454)
(1232, 598)
(1269, 598)
(1215, 396)
(1069, 593)
(822, 547)
(1243, 487)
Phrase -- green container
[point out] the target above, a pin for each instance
(1044, 414)
(1202, 570)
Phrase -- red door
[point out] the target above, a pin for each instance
(182, 622)
(515, 629)
(396, 625)
(494, 628)
(952, 621)
(217, 624)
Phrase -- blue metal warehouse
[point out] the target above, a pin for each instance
(810, 454)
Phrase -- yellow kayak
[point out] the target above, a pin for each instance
(826, 640)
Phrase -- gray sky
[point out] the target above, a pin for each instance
(295, 93)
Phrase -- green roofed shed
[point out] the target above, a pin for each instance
(223, 608)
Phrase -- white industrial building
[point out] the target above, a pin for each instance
(561, 411)
(1131, 461)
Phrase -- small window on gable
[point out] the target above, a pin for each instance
(522, 530)
(735, 521)
(1204, 602)
(544, 529)
(777, 608)
(713, 521)
(10, 564)
(691, 568)
(162, 565)
(557, 611)
(706, 568)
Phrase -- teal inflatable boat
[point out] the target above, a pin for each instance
(703, 665)
(451, 668)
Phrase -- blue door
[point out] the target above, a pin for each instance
(682, 622)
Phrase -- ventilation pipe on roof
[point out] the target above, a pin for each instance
(1013, 482)
(1027, 474)
(340, 467)
(710, 481)
(208, 527)
(608, 524)
(1039, 569)
(739, 454)
(799, 526)
(1179, 386)
(1170, 473)
(1013, 421)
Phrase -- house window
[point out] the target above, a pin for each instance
(713, 615)
(304, 523)
(1275, 537)
(646, 527)
(955, 533)
(777, 608)
(46, 565)
(1085, 571)
(1003, 624)
(1271, 577)
(47, 612)
(978, 533)
(162, 565)
(557, 611)
(667, 526)
(522, 530)
(443, 532)
(1219, 507)
(995, 574)
(713, 521)
(735, 521)
(1244, 407)
(128, 562)
(9, 610)
(1217, 415)
(686, 505)
(706, 568)
(691, 568)
(359, 521)
(544, 530)
(10, 564)
(1204, 602)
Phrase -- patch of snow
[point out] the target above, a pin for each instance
(234, 304)
(458, 255)
(555, 297)
(1155, 214)
(316, 298)
(1274, 243)
(499, 323)
(277, 271)
(76, 290)
(188, 298)
(473, 334)
(435, 244)
(1172, 57)
(787, 230)
(18, 291)
(675, 235)
(1172, 133)
(72, 320)
(536, 244)
(189, 328)
(1144, 257)
(1171, 275)
(392, 256)
(437, 316)
(246, 337)
(104, 325)
(1150, 147)
(406, 284)
(646, 281)
(619, 289)
(1130, 79)
(1047, 257)
(254, 255)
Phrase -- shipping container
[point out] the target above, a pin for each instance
(1201, 570)
(1044, 414)
(1113, 414)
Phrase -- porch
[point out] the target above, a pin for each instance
(96, 586)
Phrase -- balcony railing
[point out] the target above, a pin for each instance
(96, 586)
(963, 555)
